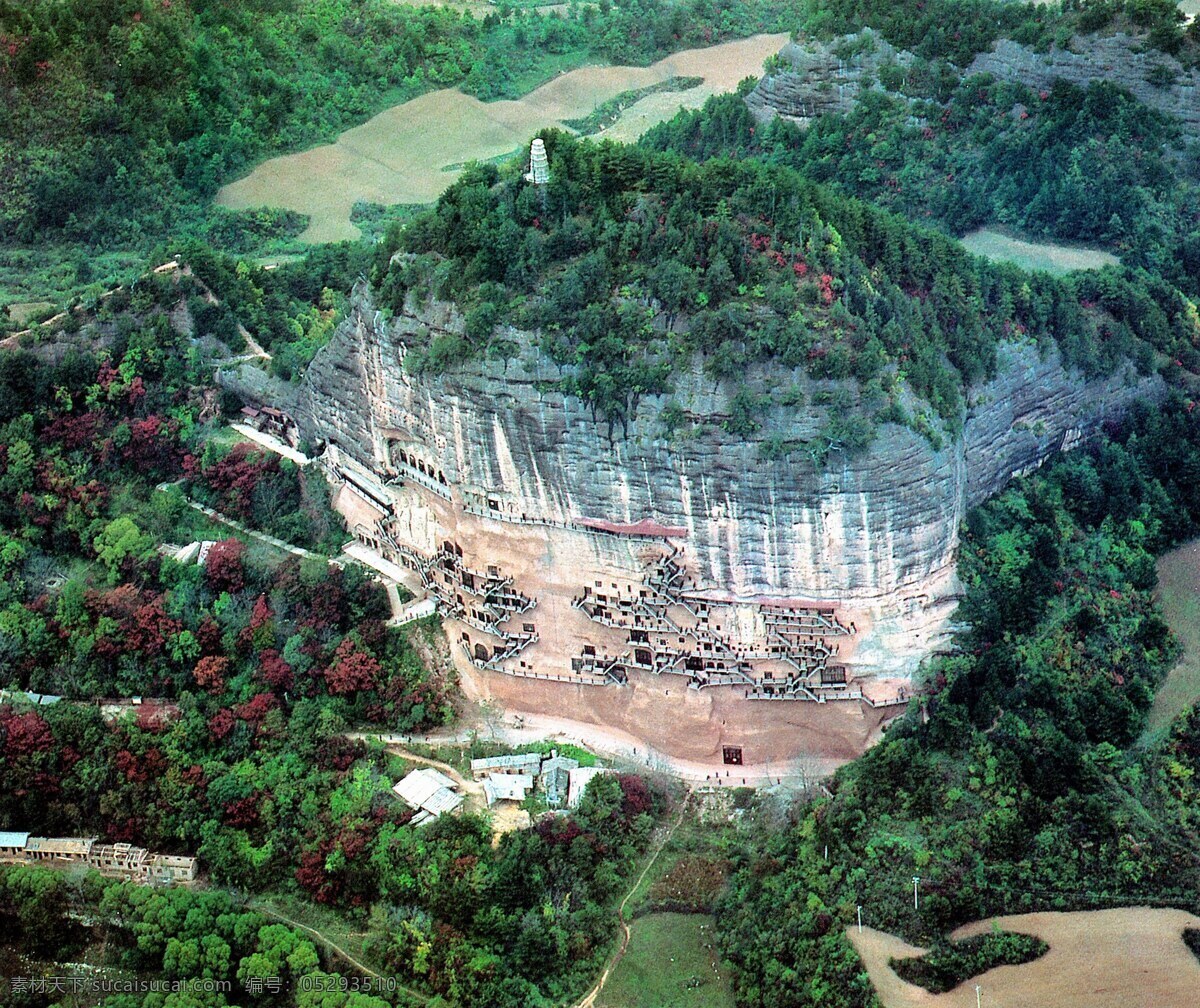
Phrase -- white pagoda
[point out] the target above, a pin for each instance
(539, 166)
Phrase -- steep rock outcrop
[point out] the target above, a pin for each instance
(1122, 59)
(813, 78)
(874, 532)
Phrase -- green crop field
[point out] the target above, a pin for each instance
(671, 962)
(1048, 256)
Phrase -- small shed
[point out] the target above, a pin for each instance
(13, 844)
(507, 787)
(429, 793)
(556, 778)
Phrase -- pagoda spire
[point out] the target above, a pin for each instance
(539, 165)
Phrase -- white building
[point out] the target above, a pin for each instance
(429, 793)
(578, 781)
(518, 763)
(507, 787)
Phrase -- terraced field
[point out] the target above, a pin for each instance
(411, 152)
(1133, 957)
(1179, 595)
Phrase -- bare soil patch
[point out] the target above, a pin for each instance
(1179, 596)
(658, 722)
(507, 818)
(691, 886)
(400, 155)
(1133, 957)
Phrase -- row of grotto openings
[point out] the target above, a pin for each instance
(800, 646)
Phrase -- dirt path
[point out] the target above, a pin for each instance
(233, 523)
(265, 908)
(589, 999)
(335, 948)
(517, 729)
(394, 744)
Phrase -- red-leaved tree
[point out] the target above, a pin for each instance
(210, 672)
(351, 669)
(223, 567)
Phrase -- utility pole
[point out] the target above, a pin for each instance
(978, 997)
(860, 920)
(916, 882)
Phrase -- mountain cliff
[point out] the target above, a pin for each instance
(755, 485)
(874, 530)
(811, 76)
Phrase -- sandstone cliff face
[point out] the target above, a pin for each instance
(816, 80)
(1121, 59)
(874, 532)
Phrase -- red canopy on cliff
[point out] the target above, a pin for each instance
(645, 527)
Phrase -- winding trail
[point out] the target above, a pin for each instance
(233, 523)
(334, 947)
(589, 999)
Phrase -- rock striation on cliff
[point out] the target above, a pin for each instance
(1154, 78)
(814, 77)
(484, 455)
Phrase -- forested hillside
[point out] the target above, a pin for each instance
(634, 262)
(1074, 164)
(1025, 790)
(1020, 777)
(956, 30)
(118, 121)
(249, 669)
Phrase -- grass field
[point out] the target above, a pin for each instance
(401, 155)
(1179, 597)
(1056, 259)
(671, 963)
(1133, 957)
(706, 831)
(22, 311)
